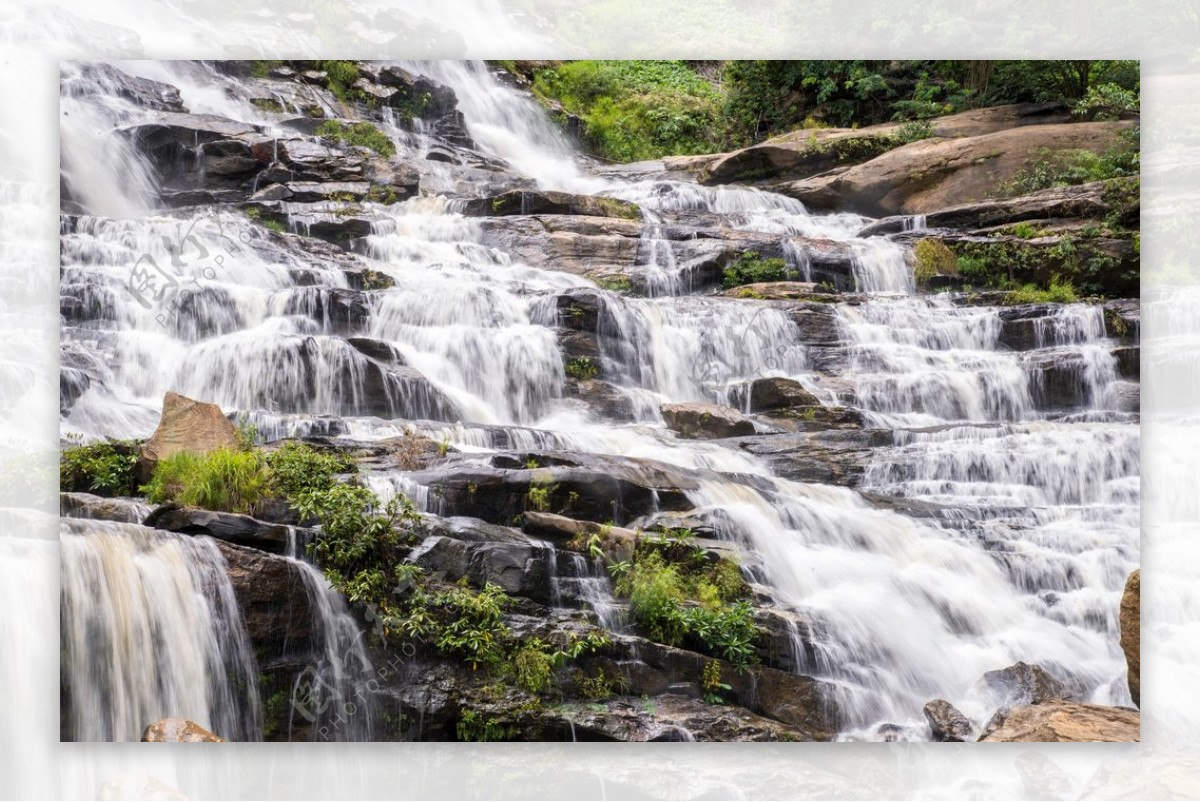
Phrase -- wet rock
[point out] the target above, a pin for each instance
(706, 421)
(186, 425)
(1022, 684)
(764, 395)
(1124, 397)
(178, 730)
(377, 350)
(1023, 327)
(335, 310)
(519, 567)
(618, 543)
(1065, 721)
(274, 601)
(946, 723)
(314, 191)
(1122, 319)
(1057, 379)
(526, 202)
(1131, 633)
(142, 92)
(601, 489)
(817, 323)
(606, 400)
(232, 527)
(1129, 362)
(99, 508)
(837, 457)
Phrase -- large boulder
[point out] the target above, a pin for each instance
(937, 173)
(764, 395)
(186, 425)
(1065, 721)
(706, 421)
(178, 730)
(946, 722)
(1131, 633)
(274, 601)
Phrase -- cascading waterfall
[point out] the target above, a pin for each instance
(1037, 522)
(151, 630)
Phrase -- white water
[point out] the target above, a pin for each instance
(151, 630)
(1026, 565)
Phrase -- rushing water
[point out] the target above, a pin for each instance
(1037, 522)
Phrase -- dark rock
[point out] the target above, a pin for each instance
(142, 92)
(1024, 327)
(274, 601)
(99, 508)
(1123, 318)
(606, 400)
(520, 568)
(1129, 362)
(818, 324)
(1057, 379)
(946, 723)
(1022, 684)
(774, 393)
(706, 421)
(240, 529)
(837, 457)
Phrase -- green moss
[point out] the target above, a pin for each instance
(362, 134)
(933, 258)
(260, 69)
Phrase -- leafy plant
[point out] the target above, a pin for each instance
(298, 468)
(712, 685)
(1058, 291)
(582, 368)
(476, 631)
(105, 468)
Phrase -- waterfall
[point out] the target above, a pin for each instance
(1009, 514)
(150, 630)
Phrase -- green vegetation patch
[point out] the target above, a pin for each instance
(933, 258)
(104, 468)
(362, 134)
(751, 268)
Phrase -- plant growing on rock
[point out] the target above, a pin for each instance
(362, 134)
(223, 480)
(751, 268)
(932, 258)
(298, 468)
(582, 368)
(105, 468)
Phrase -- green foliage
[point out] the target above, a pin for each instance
(1053, 79)
(1067, 167)
(533, 667)
(582, 368)
(1107, 101)
(712, 685)
(1059, 291)
(475, 727)
(539, 494)
(298, 468)
(362, 134)
(104, 468)
(601, 685)
(914, 131)
(620, 284)
(342, 75)
(634, 110)
(356, 547)
(476, 632)
(751, 268)
(260, 69)
(223, 480)
(933, 258)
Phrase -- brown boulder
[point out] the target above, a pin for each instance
(1065, 721)
(946, 722)
(706, 421)
(186, 425)
(936, 173)
(1131, 633)
(178, 730)
(778, 393)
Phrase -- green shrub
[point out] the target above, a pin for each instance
(223, 480)
(363, 134)
(933, 258)
(104, 468)
(1107, 101)
(298, 468)
(750, 268)
(656, 595)
(476, 631)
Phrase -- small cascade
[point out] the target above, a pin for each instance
(332, 694)
(150, 630)
(584, 582)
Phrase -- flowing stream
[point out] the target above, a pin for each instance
(1036, 508)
